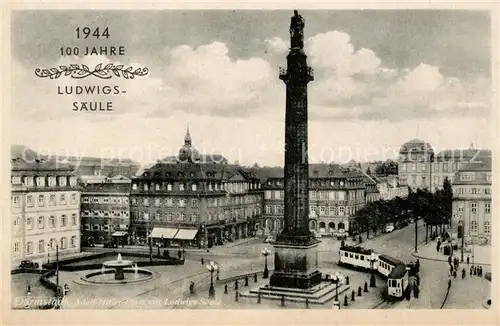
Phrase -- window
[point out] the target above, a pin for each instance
(63, 199)
(17, 247)
(41, 222)
(16, 180)
(460, 207)
(487, 208)
(17, 201)
(29, 201)
(53, 244)
(182, 203)
(146, 187)
(331, 210)
(169, 187)
(312, 194)
(134, 186)
(157, 202)
(473, 208)
(72, 181)
(445, 167)
(64, 220)
(73, 219)
(194, 203)
(403, 167)
(181, 187)
(341, 210)
(487, 227)
(170, 216)
(73, 199)
(193, 187)
(473, 226)
(157, 187)
(341, 195)
(62, 181)
(158, 216)
(63, 242)
(424, 167)
(169, 202)
(312, 209)
(52, 221)
(95, 200)
(474, 191)
(29, 223)
(181, 217)
(41, 246)
(194, 217)
(145, 201)
(72, 241)
(268, 209)
(414, 166)
(322, 210)
(29, 248)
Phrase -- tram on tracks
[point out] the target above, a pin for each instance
(389, 268)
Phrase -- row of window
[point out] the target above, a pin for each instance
(105, 200)
(195, 217)
(104, 227)
(43, 181)
(315, 210)
(87, 213)
(194, 202)
(473, 191)
(321, 195)
(42, 200)
(212, 186)
(51, 222)
(51, 246)
(436, 167)
(321, 183)
(486, 226)
(473, 208)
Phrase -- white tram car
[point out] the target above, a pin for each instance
(389, 268)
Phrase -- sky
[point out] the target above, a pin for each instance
(381, 78)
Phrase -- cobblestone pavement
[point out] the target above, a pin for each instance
(468, 293)
(18, 293)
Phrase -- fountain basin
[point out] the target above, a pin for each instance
(109, 276)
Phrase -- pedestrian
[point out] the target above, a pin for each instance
(417, 265)
(471, 271)
(463, 273)
(202, 261)
(474, 270)
(468, 260)
(418, 280)
(480, 270)
(449, 260)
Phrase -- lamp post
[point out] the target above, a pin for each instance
(265, 252)
(373, 258)
(336, 280)
(461, 225)
(57, 269)
(48, 253)
(212, 267)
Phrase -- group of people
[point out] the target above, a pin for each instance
(455, 263)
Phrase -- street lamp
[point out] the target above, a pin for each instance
(336, 280)
(372, 258)
(265, 252)
(212, 267)
(461, 225)
(48, 253)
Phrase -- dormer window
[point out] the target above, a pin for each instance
(157, 187)
(146, 188)
(341, 183)
(210, 187)
(40, 181)
(193, 187)
(332, 183)
(181, 187)
(62, 181)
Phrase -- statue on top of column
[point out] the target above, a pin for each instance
(297, 31)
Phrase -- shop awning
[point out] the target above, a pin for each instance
(166, 233)
(186, 234)
(119, 234)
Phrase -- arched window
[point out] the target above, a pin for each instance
(312, 225)
(268, 225)
(331, 226)
(487, 227)
(473, 226)
(341, 226)
(322, 225)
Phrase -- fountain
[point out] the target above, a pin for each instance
(106, 275)
(119, 264)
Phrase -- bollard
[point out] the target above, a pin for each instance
(225, 289)
(346, 303)
(366, 287)
(236, 285)
(255, 277)
(359, 291)
(258, 297)
(282, 300)
(246, 280)
(353, 296)
(236, 296)
(347, 280)
(307, 303)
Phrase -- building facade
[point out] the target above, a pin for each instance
(194, 203)
(335, 194)
(390, 188)
(110, 167)
(472, 201)
(105, 210)
(45, 203)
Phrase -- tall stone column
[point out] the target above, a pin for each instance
(296, 247)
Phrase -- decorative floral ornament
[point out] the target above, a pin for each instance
(82, 71)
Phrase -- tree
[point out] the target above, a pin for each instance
(447, 200)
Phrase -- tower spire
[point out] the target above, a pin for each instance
(187, 139)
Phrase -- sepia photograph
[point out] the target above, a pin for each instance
(251, 159)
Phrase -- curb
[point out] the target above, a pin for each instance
(443, 260)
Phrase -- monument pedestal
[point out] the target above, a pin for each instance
(295, 262)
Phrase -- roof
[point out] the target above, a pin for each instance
(357, 250)
(479, 163)
(38, 165)
(398, 272)
(182, 171)
(106, 187)
(456, 154)
(390, 260)
(202, 158)
(416, 145)
(264, 173)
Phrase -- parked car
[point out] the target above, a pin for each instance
(28, 264)
(389, 228)
(110, 244)
(270, 239)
